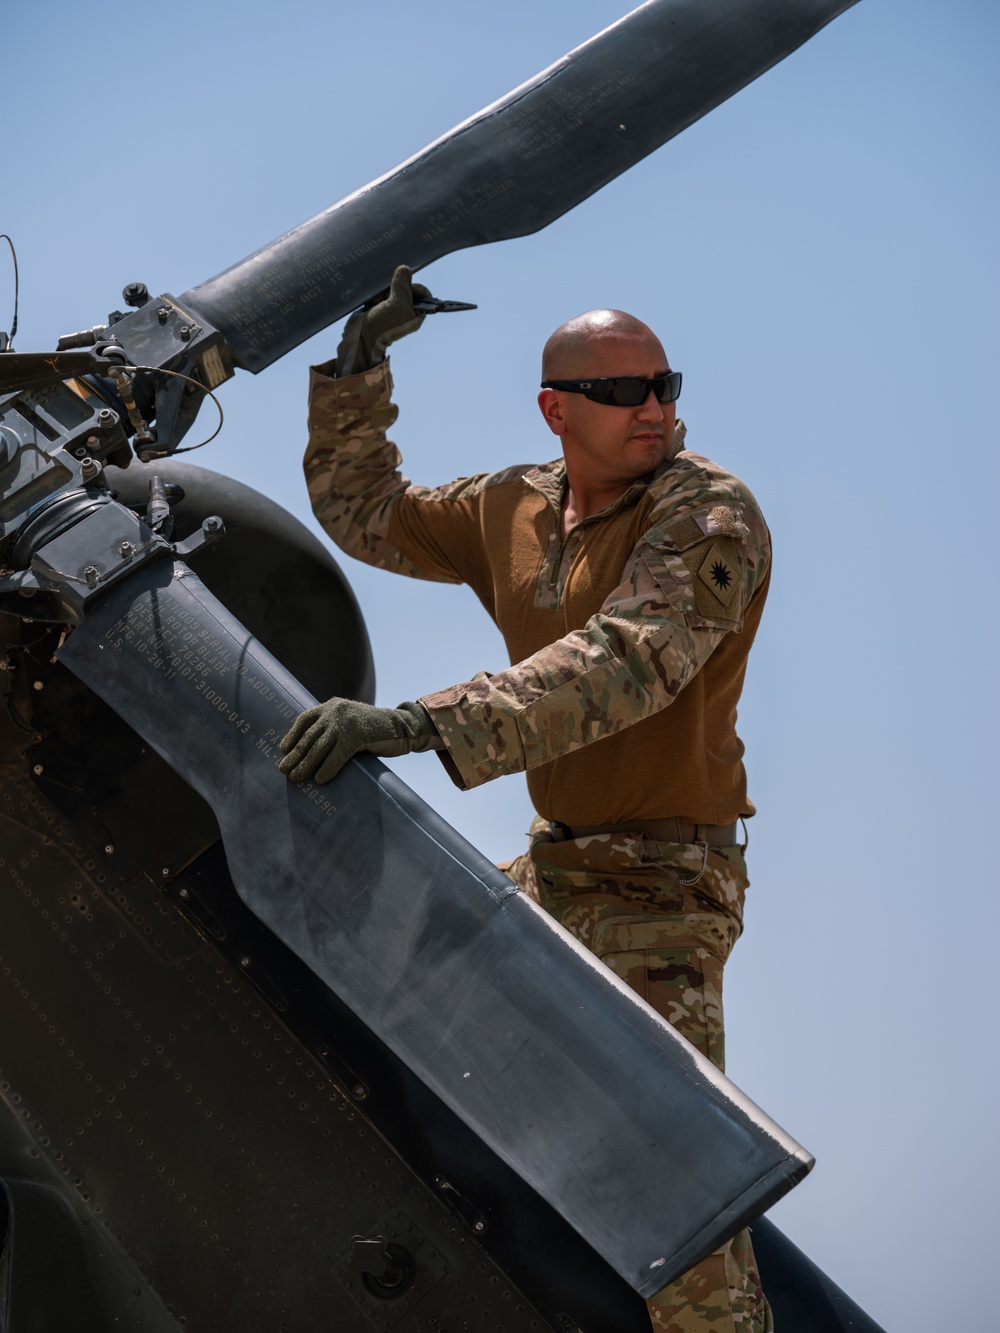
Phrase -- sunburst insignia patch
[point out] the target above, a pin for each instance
(719, 575)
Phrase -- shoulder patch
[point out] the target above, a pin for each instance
(719, 575)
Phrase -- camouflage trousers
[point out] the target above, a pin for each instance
(664, 916)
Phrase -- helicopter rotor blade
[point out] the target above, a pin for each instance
(511, 169)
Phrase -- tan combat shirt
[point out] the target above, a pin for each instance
(652, 602)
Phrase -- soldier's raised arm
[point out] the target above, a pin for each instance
(357, 492)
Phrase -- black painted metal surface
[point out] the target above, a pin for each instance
(173, 1156)
(802, 1297)
(629, 1133)
(510, 170)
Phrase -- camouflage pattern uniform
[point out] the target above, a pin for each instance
(643, 614)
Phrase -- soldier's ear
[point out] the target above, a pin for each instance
(550, 406)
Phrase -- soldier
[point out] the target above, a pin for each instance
(628, 580)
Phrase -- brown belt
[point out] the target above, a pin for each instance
(663, 830)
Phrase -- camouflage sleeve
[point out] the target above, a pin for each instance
(354, 483)
(686, 585)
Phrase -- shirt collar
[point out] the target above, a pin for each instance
(549, 479)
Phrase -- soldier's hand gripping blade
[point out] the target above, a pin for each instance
(322, 739)
(369, 332)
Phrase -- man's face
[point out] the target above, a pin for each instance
(604, 446)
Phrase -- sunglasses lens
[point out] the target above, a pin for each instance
(671, 389)
(629, 391)
(625, 392)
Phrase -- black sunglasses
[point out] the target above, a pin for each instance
(623, 390)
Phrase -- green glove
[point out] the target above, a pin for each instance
(368, 333)
(322, 739)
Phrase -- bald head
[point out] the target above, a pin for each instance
(575, 348)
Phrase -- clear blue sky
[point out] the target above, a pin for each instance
(820, 257)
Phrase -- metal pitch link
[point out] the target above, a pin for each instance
(158, 508)
(123, 383)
